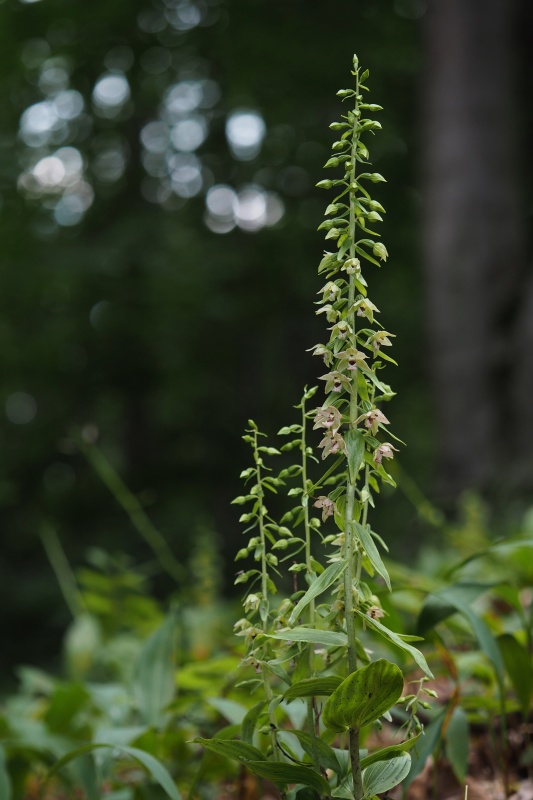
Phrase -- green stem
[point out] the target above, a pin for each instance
(133, 509)
(264, 590)
(62, 569)
(310, 575)
(350, 487)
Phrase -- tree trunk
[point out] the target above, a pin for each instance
(472, 230)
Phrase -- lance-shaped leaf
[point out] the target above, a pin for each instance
(312, 636)
(396, 639)
(372, 552)
(238, 751)
(319, 585)
(250, 721)
(311, 687)
(282, 774)
(390, 752)
(364, 696)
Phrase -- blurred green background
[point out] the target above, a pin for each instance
(158, 250)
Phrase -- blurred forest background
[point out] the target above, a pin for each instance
(158, 246)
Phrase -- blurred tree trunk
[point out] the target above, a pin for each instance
(473, 237)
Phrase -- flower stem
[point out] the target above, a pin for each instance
(264, 590)
(350, 487)
(310, 574)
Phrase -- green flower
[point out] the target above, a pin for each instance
(335, 382)
(351, 359)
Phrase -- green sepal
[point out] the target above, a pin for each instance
(364, 696)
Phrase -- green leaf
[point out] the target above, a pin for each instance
(235, 750)
(395, 639)
(519, 668)
(312, 636)
(344, 248)
(460, 597)
(385, 775)
(233, 711)
(457, 738)
(326, 754)
(372, 552)
(312, 687)
(5, 780)
(390, 752)
(363, 696)
(319, 585)
(154, 682)
(426, 746)
(250, 721)
(158, 772)
(355, 444)
(281, 774)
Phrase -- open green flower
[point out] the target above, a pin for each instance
(351, 359)
(335, 382)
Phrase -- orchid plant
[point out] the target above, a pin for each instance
(312, 671)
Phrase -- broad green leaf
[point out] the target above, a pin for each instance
(395, 639)
(312, 636)
(372, 552)
(439, 606)
(363, 696)
(459, 597)
(311, 687)
(5, 780)
(233, 711)
(385, 775)
(154, 683)
(238, 751)
(326, 754)
(319, 585)
(250, 721)
(158, 772)
(457, 738)
(390, 752)
(355, 444)
(519, 668)
(281, 774)
(427, 745)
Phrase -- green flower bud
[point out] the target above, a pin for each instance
(380, 251)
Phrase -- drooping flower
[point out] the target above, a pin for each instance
(328, 507)
(385, 450)
(333, 443)
(330, 292)
(373, 419)
(329, 417)
(325, 352)
(351, 266)
(335, 381)
(341, 330)
(379, 339)
(364, 308)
